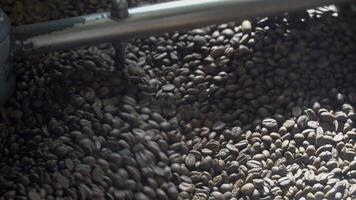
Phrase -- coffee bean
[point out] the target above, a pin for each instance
(296, 111)
(310, 196)
(326, 116)
(221, 112)
(79, 102)
(302, 121)
(141, 196)
(285, 181)
(319, 195)
(33, 195)
(246, 26)
(232, 148)
(270, 123)
(186, 187)
(351, 134)
(98, 174)
(217, 195)
(168, 88)
(213, 145)
(299, 138)
(226, 187)
(247, 189)
(348, 154)
(87, 145)
(217, 51)
(325, 140)
(309, 176)
(219, 126)
(190, 160)
(199, 41)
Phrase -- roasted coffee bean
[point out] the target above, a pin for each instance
(246, 26)
(247, 189)
(270, 123)
(261, 109)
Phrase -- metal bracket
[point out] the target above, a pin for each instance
(119, 11)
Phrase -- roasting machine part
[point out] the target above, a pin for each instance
(122, 23)
(7, 78)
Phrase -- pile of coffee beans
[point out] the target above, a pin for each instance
(258, 109)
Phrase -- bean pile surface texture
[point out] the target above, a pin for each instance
(258, 109)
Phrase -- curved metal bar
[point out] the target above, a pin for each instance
(153, 19)
(29, 30)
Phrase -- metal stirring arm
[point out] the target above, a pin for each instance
(148, 20)
(119, 11)
(7, 78)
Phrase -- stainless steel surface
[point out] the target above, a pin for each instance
(7, 77)
(165, 17)
(4, 26)
(29, 30)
